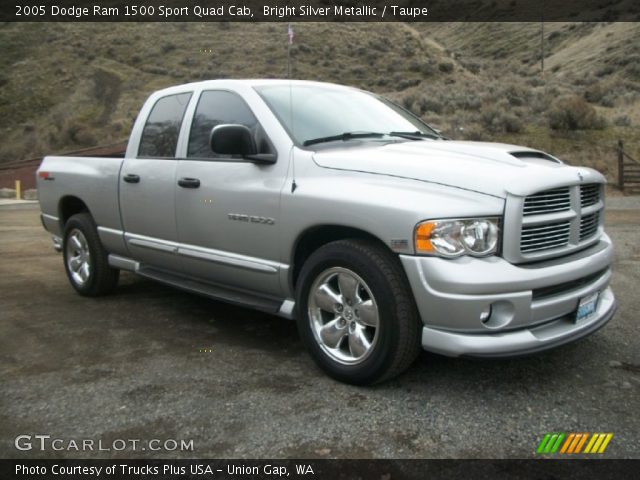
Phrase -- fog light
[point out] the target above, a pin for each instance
(498, 314)
(485, 314)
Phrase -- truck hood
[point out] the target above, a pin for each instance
(490, 168)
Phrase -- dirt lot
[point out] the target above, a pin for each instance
(154, 363)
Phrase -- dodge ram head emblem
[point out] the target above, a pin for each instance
(580, 176)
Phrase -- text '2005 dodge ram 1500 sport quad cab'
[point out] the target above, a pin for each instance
(340, 209)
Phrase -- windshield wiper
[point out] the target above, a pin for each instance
(344, 137)
(414, 135)
(417, 135)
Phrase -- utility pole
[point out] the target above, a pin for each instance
(290, 35)
(542, 40)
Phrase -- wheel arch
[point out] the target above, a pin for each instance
(68, 206)
(319, 235)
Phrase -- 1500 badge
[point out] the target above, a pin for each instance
(251, 218)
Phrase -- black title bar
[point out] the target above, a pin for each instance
(319, 11)
(600, 469)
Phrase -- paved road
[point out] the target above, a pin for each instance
(154, 363)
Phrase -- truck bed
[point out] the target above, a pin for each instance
(90, 178)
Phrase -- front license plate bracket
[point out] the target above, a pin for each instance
(587, 306)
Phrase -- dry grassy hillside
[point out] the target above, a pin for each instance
(68, 86)
(586, 99)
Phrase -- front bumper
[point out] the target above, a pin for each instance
(520, 342)
(532, 307)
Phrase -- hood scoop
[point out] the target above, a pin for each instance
(534, 155)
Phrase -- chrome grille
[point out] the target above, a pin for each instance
(553, 222)
(545, 237)
(589, 225)
(589, 194)
(549, 201)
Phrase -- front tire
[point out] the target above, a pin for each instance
(85, 259)
(356, 313)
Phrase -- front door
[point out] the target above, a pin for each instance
(227, 208)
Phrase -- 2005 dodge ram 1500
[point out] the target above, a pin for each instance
(338, 208)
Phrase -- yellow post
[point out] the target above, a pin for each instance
(18, 192)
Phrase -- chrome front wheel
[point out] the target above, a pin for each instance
(344, 315)
(356, 314)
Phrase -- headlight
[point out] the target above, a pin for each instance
(452, 238)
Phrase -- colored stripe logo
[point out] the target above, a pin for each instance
(572, 443)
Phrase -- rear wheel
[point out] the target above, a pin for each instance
(356, 313)
(85, 259)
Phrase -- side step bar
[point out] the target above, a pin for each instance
(212, 291)
(273, 306)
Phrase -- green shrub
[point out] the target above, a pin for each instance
(574, 113)
(512, 124)
(622, 121)
(516, 94)
(633, 71)
(407, 83)
(473, 67)
(474, 133)
(430, 105)
(408, 101)
(427, 69)
(495, 120)
(445, 67)
(167, 47)
(594, 93)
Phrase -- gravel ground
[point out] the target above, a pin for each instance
(151, 362)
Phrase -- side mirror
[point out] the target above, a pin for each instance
(231, 139)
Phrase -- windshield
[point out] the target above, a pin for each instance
(325, 113)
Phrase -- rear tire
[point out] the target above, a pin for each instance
(356, 313)
(85, 259)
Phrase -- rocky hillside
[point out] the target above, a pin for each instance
(69, 86)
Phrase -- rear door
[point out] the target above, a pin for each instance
(148, 183)
(228, 219)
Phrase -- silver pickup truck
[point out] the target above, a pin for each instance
(338, 208)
